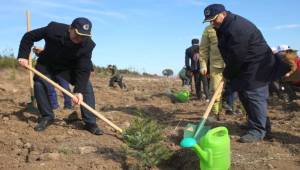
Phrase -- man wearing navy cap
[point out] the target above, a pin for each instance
(250, 65)
(67, 53)
(192, 65)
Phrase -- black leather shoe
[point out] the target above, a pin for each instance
(249, 138)
(94, 129)
(43, 124)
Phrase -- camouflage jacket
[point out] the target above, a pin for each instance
(209, 51)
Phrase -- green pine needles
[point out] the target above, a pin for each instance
(144, 139)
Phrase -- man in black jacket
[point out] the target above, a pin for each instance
(192, 65)
(67, 53)
(250, 65)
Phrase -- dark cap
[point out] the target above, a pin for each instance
(195, 41)
(212, 11)
(82, 26)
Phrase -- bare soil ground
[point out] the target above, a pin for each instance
(68, 146)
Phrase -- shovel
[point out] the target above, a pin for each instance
(197, 131)
(72, 96)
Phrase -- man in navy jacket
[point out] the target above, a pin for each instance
(192, 65)
(250, 65)
(67, 53)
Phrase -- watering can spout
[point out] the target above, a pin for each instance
(191, 143)
(203, 155)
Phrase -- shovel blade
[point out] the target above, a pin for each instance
(202, 133)
(190, 130)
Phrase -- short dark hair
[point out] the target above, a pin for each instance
(195, 41)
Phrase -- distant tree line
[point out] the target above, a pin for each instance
(167, 72)
(130, 71)
(8, 60)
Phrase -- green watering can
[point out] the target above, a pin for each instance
(213, 149)
(182, 96)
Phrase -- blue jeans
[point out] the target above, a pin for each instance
(53, 96)
(43, 101)
(201, 80)
(255, 104)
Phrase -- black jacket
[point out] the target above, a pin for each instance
(60, 53)
(189, 53)
(249, 60)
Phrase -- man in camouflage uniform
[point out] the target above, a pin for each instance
(210, 58)
(116, 77)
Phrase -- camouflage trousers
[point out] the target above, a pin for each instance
(216, 76)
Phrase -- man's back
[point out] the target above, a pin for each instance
(190, 62)
(209, 50)
(248, 58)
(59, 51)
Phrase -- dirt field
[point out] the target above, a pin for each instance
(68, 146)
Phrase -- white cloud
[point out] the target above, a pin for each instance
(288, 26)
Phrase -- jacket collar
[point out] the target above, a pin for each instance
(68, 41)
(227, 20)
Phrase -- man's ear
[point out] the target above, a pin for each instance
(224, 13)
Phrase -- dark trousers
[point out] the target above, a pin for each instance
(274, 88)
(201, 80)
(43, 101)
(53, 96)
(230, 96)
(186, 82)
(255, 104)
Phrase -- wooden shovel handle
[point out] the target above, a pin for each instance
(72, 96)
(213, 99)
(30, 63)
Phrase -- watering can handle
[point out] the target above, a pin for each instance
(213, 131)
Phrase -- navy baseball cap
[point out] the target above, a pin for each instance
(211, 12)
(83, 26)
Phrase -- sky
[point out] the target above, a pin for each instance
(146, 35)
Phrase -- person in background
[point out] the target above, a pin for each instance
(185, 77)
(291, 81)
(192, 65)
(274, 86)
(290, 56)
(209, 53)
(115, 77)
